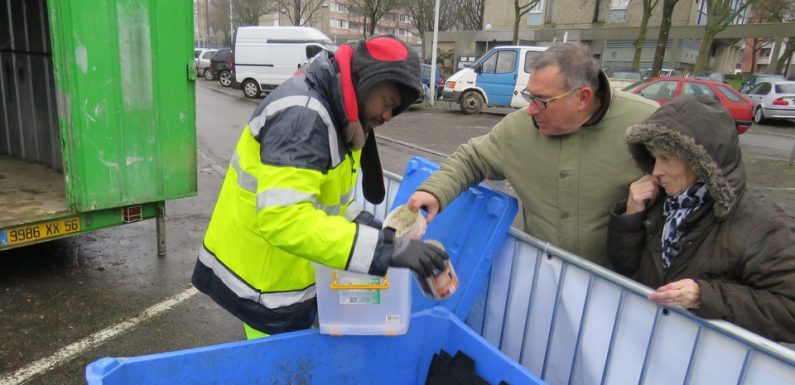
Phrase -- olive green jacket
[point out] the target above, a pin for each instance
(567, 184)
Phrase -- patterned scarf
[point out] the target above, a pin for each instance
(675, 210)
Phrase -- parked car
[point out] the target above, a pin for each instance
(664, 89)
(221, 67)
(267, 56)
(752, 80)
(622, 77)
(773, 100)
(423, 96)
(714, 76)
(203, 58)
(496, 79)
(426, 78)
(665, 72)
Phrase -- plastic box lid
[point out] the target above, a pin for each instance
(472, 228)
(308, 357)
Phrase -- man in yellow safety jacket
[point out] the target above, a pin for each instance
(287, 198)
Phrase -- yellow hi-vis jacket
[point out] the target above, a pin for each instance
(286, 201)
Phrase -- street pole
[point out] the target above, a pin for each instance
(198, 36)
(488, 29)
(432, 83)
(231, 27)
(792, 156)
(207, 22)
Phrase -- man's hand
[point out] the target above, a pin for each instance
(683, 293)
(642, 191)
(367, 219)
(422, 199)
(420, 257)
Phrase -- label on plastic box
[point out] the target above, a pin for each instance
(360, 297)
(392, 319)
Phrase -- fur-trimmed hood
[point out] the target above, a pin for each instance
(701, 132)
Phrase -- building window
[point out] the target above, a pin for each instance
(334, 7)
(618, 11)
(340, 24)
(538, 7)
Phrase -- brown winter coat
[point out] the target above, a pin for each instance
(739, 248)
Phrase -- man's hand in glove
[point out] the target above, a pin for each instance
(367, 219)
(422, 258)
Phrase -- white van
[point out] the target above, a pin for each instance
(267, 56)
(496, 79)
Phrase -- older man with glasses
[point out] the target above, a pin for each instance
(564, 154)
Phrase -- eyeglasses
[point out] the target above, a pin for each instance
(542, 104)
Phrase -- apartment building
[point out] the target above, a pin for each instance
(608, 26)
(342, 25)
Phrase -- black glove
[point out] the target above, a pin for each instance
(422, 258)
(367, 219)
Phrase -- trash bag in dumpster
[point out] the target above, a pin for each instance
(458, 370)
(308, 357)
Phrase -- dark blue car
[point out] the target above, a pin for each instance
(426, 78)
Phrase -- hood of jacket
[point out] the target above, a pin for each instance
(330, 75)
(322, 75)
(702, 133)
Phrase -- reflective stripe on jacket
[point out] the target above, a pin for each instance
(282, 205)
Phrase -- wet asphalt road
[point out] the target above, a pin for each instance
(65, 304)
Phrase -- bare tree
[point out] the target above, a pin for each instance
(662, 38)
(422, 16)
(648, 8)
(219, 19)
(373, 11)
(719, 15)
(785, 60)
(300, 12)
(519, 11)
(248, 12)
(780, 11)
(756, 45)
(470, 14)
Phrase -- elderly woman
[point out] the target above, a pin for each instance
(692, 230)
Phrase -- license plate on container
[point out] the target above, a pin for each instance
(30, 233)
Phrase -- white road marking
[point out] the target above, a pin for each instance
(65, 354)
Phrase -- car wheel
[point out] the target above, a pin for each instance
(471, 102)
(225, 78)
(208, 75)
(250, 88)
(759, 115)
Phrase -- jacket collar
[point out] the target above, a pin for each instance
(605, 96)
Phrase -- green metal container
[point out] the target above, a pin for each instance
(97, 126)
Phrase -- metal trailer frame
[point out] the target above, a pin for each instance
(571, 321)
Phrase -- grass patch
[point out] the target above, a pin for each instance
(783, 166)
(735, 81)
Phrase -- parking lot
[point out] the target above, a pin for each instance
(68, 303)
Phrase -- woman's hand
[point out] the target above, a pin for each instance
(641, 191)
(684, 293)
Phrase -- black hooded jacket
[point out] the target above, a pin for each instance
(739, 248)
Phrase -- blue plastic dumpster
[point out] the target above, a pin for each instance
(308, 357)
(472, 228)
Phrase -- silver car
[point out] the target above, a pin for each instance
(773, 100)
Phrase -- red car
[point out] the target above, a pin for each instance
(663, 89)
